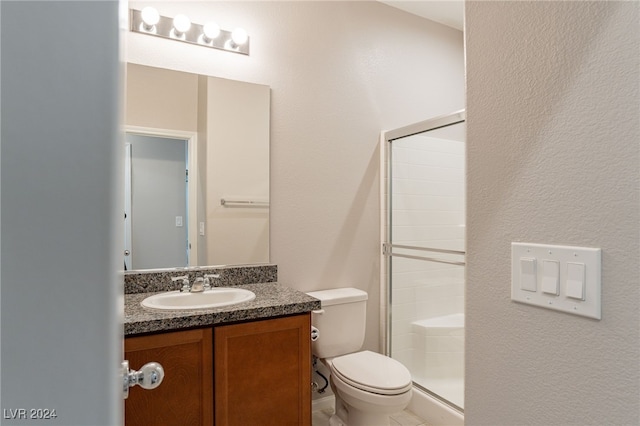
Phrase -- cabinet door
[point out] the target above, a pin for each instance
(185, 395)
(263, 372)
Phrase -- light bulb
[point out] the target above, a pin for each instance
(239, 36)
(150, 16)
(211, 30)
(181, 23)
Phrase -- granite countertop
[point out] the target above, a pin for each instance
(272, 300)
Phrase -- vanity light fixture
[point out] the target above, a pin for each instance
(181, 24)
(150, 17)
(238, 38)
(149, 21)
(210, 31)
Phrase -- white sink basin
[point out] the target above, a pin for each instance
(214, 298)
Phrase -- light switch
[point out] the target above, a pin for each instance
(179, 221)
(560, 278)
(201, 228)
(528, 273)
(550, 276)
(575, 280)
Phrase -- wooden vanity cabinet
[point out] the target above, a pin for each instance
(185, 397)
(263, 372)
(251, 373)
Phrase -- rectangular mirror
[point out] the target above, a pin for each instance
(196, 171)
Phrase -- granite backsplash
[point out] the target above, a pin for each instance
(160, 280)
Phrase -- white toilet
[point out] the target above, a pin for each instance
(368, 387)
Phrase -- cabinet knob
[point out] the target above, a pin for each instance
(148, 377)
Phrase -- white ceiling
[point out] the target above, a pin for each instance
(447, 12)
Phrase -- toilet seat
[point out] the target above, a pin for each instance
(372, 372)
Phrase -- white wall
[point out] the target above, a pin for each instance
(339, 72)
(62, 308)
(553, 155)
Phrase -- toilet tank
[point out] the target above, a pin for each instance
(341, 321)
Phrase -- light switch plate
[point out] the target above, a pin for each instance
(565, 300)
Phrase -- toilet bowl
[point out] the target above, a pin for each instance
(368, 386)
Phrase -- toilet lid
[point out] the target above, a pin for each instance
(372, 372)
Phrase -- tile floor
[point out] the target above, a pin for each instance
(405, 418)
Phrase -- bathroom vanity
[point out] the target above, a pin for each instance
(245, 364)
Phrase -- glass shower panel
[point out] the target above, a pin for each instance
(428, 325)
(426, 244)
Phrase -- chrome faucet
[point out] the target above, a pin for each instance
(185, 282)
(207, 280)
(198, 285)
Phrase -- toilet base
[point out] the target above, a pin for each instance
(351, 414)
(336, 421)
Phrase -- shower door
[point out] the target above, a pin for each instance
(425, 253)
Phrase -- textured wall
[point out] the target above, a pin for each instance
(339, 72)
(553, 155)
